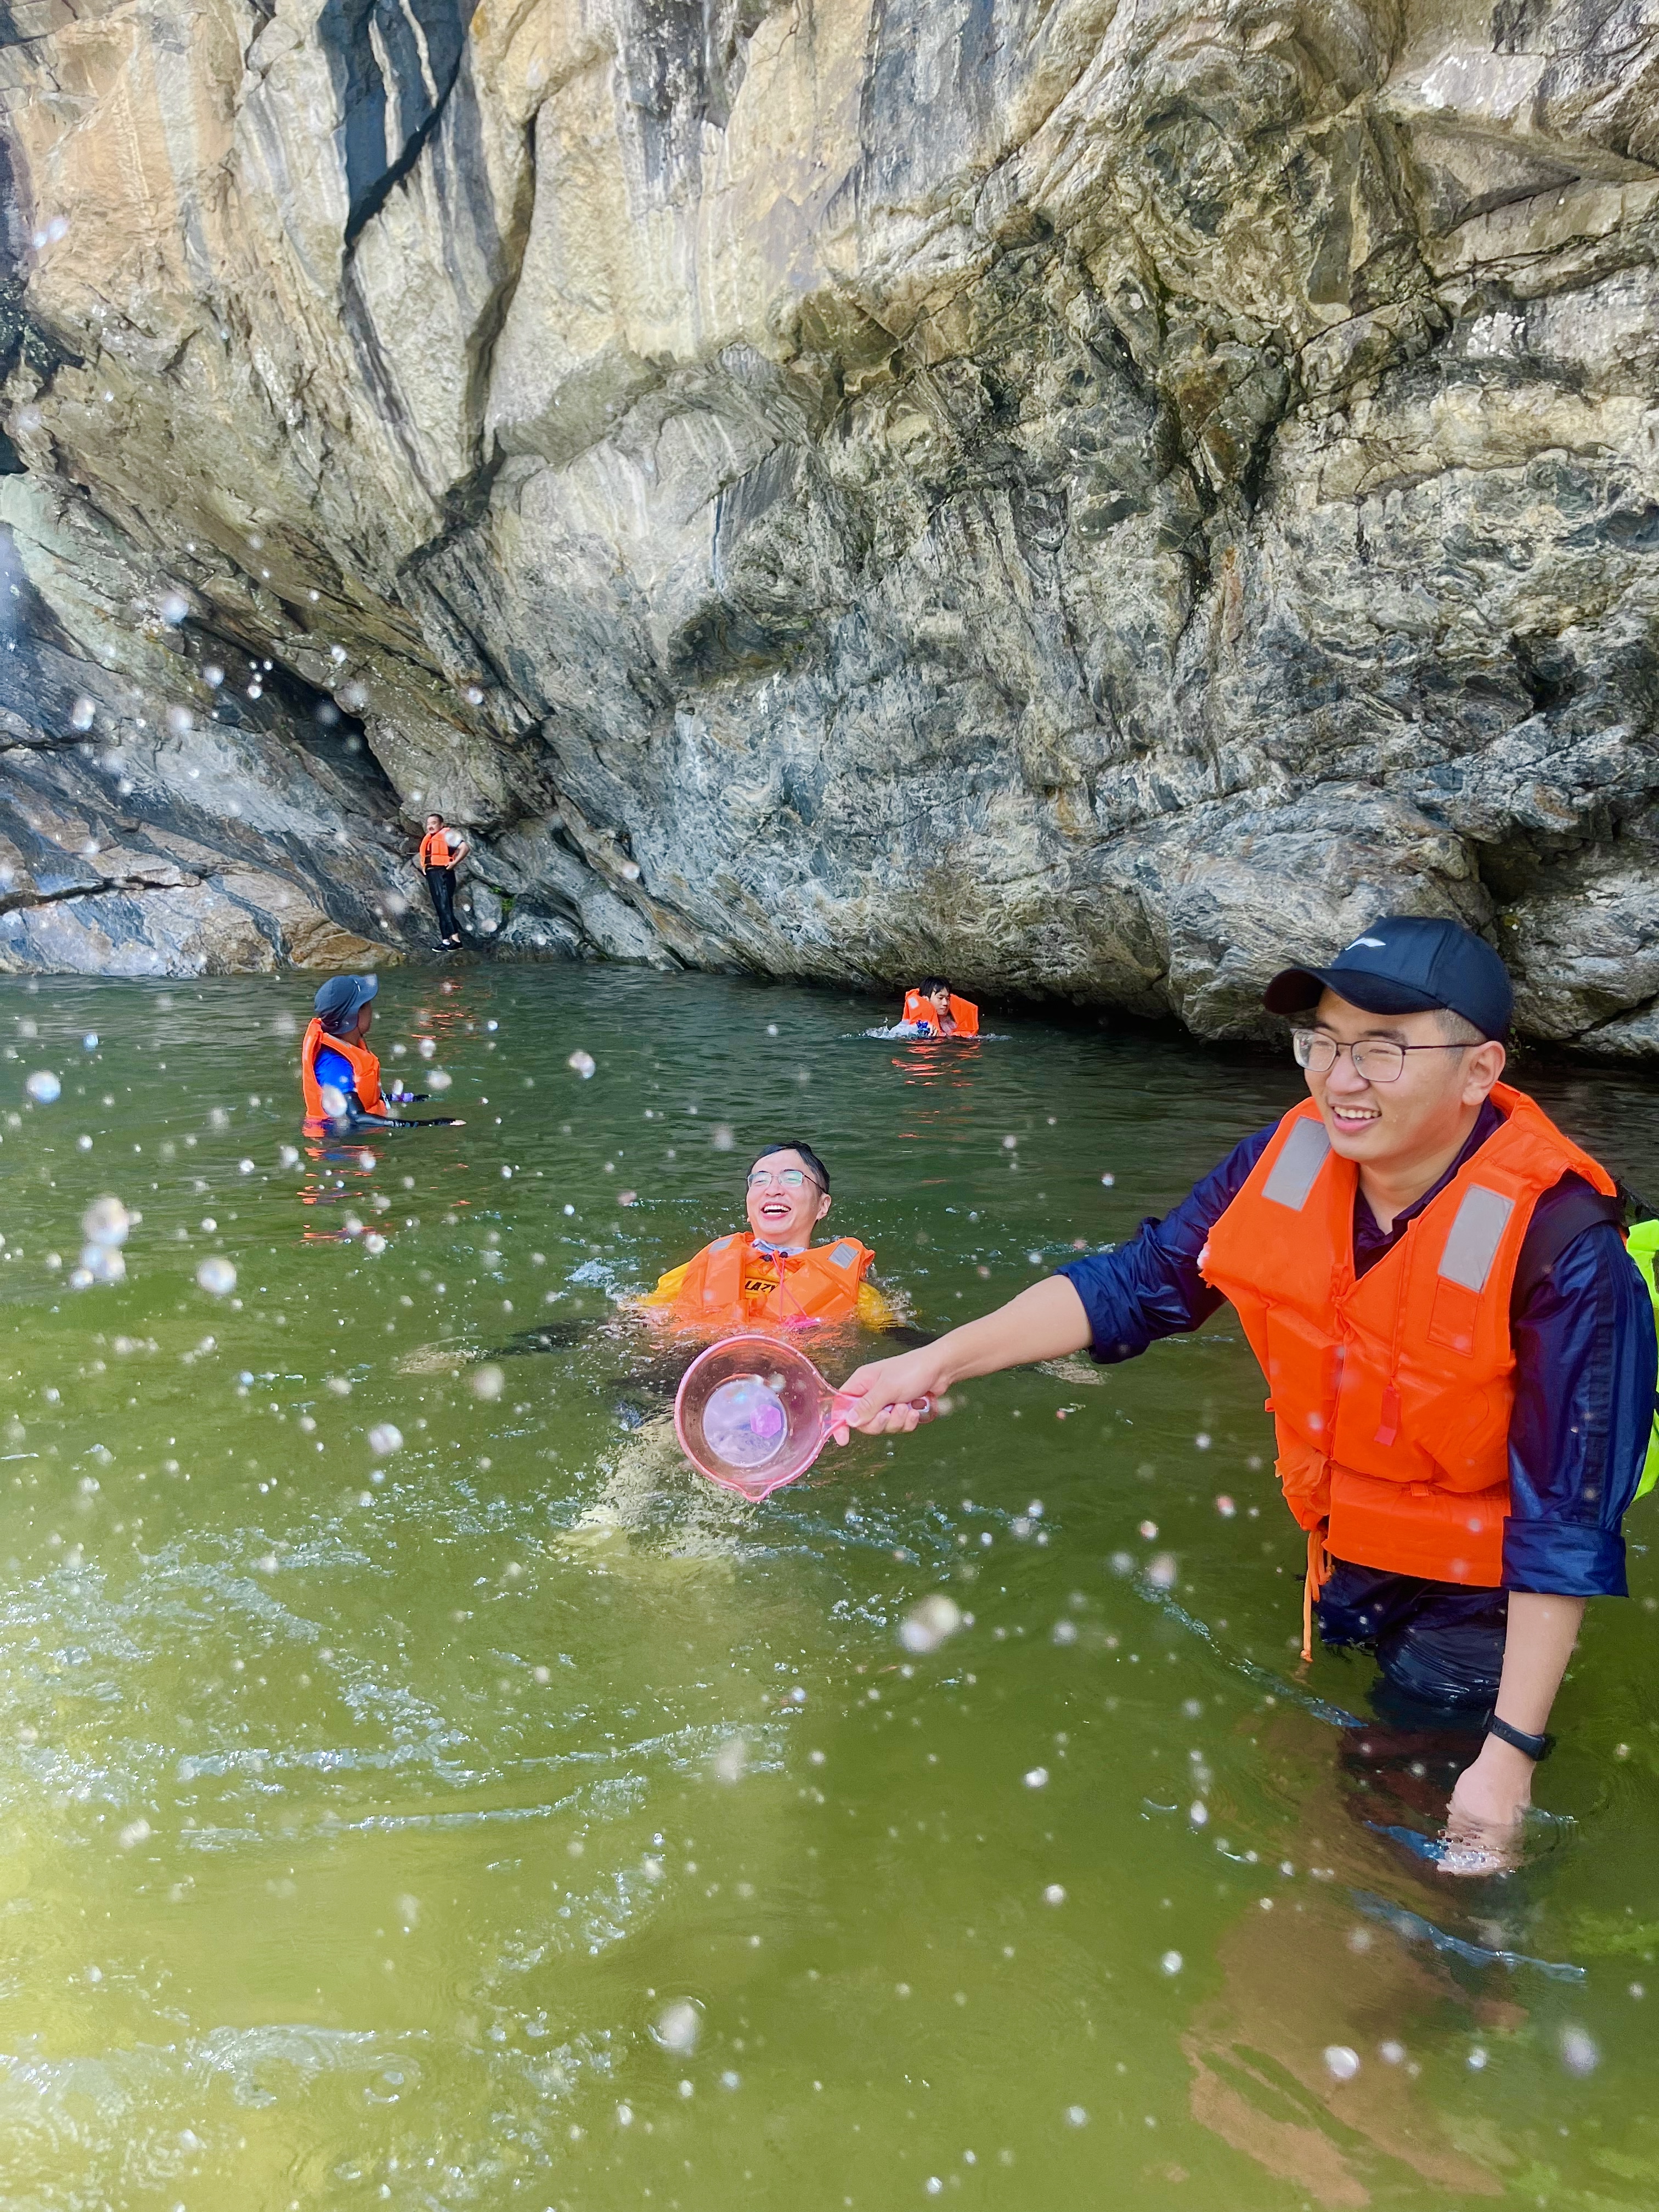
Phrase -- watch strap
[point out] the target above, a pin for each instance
(1537, 1747)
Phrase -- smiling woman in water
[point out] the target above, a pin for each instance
(1460, 1352)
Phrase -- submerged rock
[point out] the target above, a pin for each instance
(1091, 497)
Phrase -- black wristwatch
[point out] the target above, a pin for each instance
(1537, 1747)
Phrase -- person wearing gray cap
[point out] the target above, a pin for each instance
(339, 1075)
(1460, 1352)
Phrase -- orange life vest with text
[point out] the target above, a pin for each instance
(365, 1069)
(1391, 1395)
(730, 1284)
(964, 1013)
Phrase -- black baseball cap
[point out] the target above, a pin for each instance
(1406, 964)
(345, 994)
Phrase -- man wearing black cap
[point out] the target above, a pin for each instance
(1461, 1354)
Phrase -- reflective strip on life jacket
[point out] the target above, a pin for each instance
(1391, 1393)
(1297, 1169)
(365, 1071)
(1476, 1232)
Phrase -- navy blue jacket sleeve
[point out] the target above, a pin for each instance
(1585, 1354)
(1150, 1286)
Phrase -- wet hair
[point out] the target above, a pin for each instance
(814, 1165)
(929, 984)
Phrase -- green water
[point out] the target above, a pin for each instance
(362, 1817)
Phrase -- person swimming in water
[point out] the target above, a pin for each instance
(775, 1276)
(652, 1508)
(932, 1009)
(772, 1276)
(339, 1076)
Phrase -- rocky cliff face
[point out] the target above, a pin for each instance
(1090, 494)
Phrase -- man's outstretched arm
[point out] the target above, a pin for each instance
(1116, 1302)
(1045, 1322)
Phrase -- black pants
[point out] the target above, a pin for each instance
(440, 882)
(1439, 1645)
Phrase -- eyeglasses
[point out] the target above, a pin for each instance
(1378, 1060)
(788, 1178)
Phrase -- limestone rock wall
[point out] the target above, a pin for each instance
(1090, 494)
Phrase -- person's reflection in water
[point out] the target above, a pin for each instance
(1303, 1995)
(341, 1174)
(1350, 1965)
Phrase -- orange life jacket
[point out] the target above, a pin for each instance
(1391, 1395)
(435, 851)
(963, 1012)
(365, 1069)
(730, 1284)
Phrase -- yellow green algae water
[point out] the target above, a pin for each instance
(499, 1820)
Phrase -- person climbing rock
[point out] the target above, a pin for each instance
(775, 1275)
(339, 1076)
(932, 1009)
(1461, 1352)
(442, 850)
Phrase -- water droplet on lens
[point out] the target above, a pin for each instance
(926, 1625)
(677, 2027)
(1580, 2053)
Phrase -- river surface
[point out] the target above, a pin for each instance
(498, 1818)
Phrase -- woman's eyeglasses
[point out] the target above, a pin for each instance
(1379, 1059)
(789, 1178)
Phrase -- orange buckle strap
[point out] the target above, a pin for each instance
(1319, 1573)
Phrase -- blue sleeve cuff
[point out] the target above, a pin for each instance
(1563, 1558)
